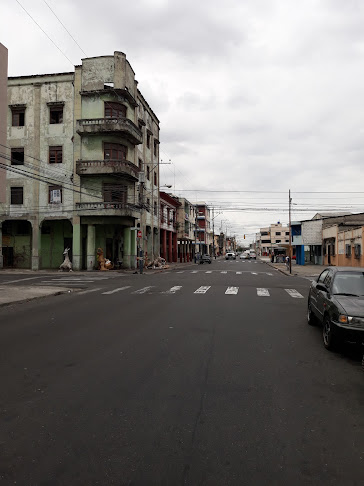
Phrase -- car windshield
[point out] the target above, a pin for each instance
(351, 283)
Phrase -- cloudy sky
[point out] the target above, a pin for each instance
(254, 97)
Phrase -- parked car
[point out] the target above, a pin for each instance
(205, 259)
(336, 300)
(253, 255)
(230, 256)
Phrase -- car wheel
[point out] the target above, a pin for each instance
(328, 335)
(209, 261)
(311, 319)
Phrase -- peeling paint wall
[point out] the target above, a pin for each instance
(3, 111)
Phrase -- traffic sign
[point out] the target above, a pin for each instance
(139, 234)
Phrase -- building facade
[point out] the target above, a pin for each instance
(272, 239)
(186, 223)
(3, 130)
(168, 227)
(84, 171)
(204, 233)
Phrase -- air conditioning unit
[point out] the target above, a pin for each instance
(141, 177)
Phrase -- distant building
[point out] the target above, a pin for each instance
(186, 222)
(204, 233)
(168, 226)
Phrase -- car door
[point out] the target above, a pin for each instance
(322, 296)
(315, 297)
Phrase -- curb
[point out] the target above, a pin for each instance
(15, 302)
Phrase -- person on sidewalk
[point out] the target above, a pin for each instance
(287, 262)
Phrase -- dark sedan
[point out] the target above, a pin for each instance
(336, 300)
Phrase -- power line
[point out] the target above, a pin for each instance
(44, 32)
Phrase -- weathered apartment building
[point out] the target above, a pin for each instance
(186, 230)
(83, 167)
(272, 239)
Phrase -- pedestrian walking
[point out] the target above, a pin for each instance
(287, 262)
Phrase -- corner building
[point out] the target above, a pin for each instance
(89, 144)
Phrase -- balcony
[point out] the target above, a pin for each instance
(107, 209)
(108, 166)
(112, 126)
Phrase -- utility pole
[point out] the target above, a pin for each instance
(290, 231)
(213, 233)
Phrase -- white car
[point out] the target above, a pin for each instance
(253, 255)
(244, 256)
(230, 256)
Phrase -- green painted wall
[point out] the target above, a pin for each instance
(52, 245)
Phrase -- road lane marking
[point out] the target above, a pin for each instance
(224, 271)
(253, 273)
(271, 274)
(194, 271)
(88, 291)
(173, 290)
(182, 271)
(294, 293)
(20, 280)
(143, 290)
(202, 290)
(263, 292)
(239, 273)
(209, 271)
(232, 290)
(116, 290)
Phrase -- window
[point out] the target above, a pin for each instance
(17, 156)
(148, 204)
(155, 208)
(357, 251)
(114, 192)
(348, 251)
(148, 172)
(55, 195)
(278, 233)
(162, 213)
(55, 155)
(140, 164)
(278, 241)
(148, 140)
(16, 195)
(17, 117)
(155, 178)
(322, 276)
(115, 110)
(56, 114)
(115, 151)
(155, 147)
(287, 233)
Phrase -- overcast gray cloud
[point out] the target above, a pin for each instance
(252, 95)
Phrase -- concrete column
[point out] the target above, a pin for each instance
(127, 248)
(170, 244)
(180, 251)
(164, 244)
(156, 248)
(36, 245)
(133, 249)
(76, 247)
(1, 245)
(174, 237)
(91, 250)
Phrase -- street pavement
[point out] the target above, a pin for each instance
(197, 375)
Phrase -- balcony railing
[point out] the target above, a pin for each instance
(121, 126)
(107, 209)
(107, 166)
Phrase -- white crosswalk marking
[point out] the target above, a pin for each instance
(253, 273)
(182, 271)
(263, 292)
(173, 290)
(293, 293)
(143, 290)
(116, 290)
(202, 290)
(209, 271)
(224, 271)
(232, 290)
(194, 271)
(239, 273)
(271, 274)
(88, 291)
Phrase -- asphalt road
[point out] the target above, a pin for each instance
(139, 380)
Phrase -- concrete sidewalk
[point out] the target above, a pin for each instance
(17, 294)
(297, 270)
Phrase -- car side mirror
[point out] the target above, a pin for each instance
(322, 287)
